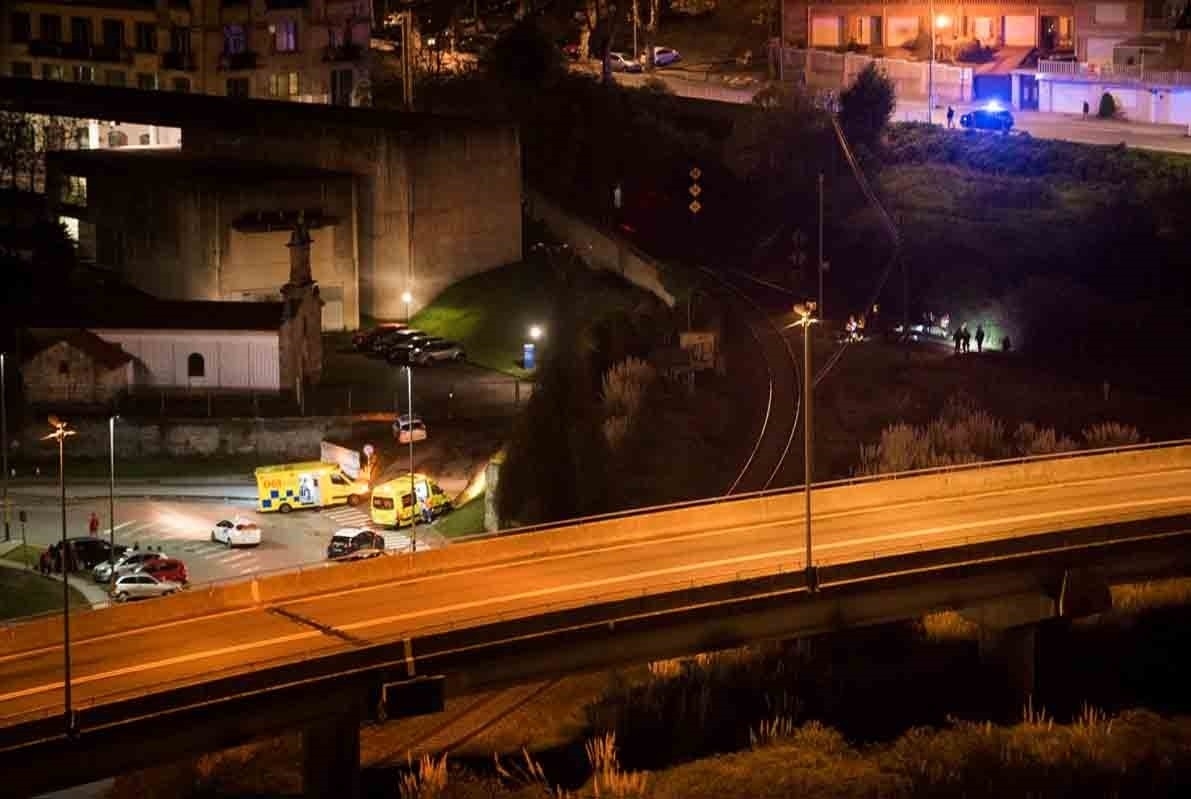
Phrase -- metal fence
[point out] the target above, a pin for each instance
(911, 78)
(1114, 73)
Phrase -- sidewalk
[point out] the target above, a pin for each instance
(93, 593)
(226, 488)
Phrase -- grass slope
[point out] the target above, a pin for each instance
(491, 313)
(25, 593)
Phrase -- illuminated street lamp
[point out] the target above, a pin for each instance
(805, 311)
(407, 298)
(535, 332)
(60, 434)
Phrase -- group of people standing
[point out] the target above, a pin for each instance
(963, 338)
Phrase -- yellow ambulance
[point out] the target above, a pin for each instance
(312, 484)
(394, 506)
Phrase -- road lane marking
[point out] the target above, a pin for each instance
(157, 664)
(572, 587)
(622, 546)
(741, 559)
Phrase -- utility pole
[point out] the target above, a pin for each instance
(930, 71)
(805, 311)
(60, 433)
(4, 438)
(822, 264)
(413, 492)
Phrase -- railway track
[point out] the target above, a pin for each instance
(475, 716)
(783, 403)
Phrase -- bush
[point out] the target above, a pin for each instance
(971, 51)
(1108, 106)
(867, 106)
(1111, 434)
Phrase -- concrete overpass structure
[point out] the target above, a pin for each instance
(1012, 545)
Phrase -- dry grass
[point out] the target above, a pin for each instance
(949, 625)
(1136, 597)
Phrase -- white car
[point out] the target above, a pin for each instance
(130, 562)
(236, 533)
(142, 586)
(664, 56)
(409, 428)
(622, 63)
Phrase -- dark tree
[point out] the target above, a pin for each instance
(867, 106)
(524, 57)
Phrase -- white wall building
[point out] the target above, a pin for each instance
(243, 360)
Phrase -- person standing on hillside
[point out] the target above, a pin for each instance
(980, 338)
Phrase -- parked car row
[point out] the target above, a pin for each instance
(140, 574)
(624, 62)
(399, 344)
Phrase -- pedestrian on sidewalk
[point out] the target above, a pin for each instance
(950, 117)
(93, 525)
(1086, 109)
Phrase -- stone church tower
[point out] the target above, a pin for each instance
(301, 325)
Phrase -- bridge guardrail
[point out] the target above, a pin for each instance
(765, 507)
(951, 552)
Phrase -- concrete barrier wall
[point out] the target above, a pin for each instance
(600, 250)
(741, 513)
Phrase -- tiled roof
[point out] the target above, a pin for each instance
(104, 353)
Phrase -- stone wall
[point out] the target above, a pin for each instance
(286, 439)
(438, 199)
(62, 373)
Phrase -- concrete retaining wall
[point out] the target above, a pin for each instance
(600, 250)
(286, 438)
(716, 516)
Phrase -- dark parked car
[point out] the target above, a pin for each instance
(87, 553)
(362, 340)
(991, 118)
(401, 352)
(382, 343)
(355, 542)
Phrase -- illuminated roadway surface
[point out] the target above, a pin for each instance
(133, 663)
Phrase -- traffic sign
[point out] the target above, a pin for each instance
(695, 190)
(694, 206)
(696, 173)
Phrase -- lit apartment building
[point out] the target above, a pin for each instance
(1092, 30)
(304, 50)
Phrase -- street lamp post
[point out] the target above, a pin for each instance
(413, 493)
(805, 311)
(407, 298)
(60, 433)
(112, 490)
(930, 71)
(4, 438)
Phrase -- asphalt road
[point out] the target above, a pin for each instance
(181, 528)
(1067, 127)
(132, 663)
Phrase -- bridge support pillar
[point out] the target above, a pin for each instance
(331, 758)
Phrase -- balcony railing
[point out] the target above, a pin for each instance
(1115, 73)
(343, 52)
(183, 62)
(81, 51)
(231, 62)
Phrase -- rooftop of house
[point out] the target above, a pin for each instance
(106, 354)
(174, 163)
(128, 313)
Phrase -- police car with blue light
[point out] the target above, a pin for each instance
(993, 116)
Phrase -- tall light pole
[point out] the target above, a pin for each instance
(60, 433)
(4, 437)
(407, 298)
(805, 311)
(413, 492)
(930, 71)
(821, 262)
(112, 490)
